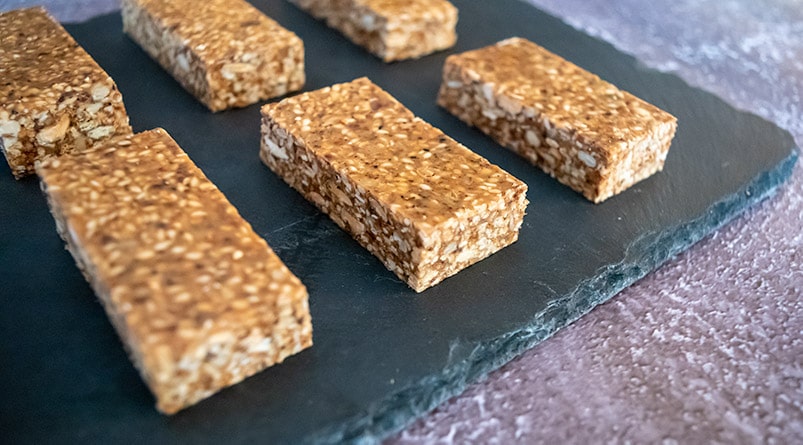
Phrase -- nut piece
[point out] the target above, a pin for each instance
(99, 92)
(425, 205)
(9, 128)
(231, 70)
(199, 298)
(45, 108)
(583, 131)
(224, 52)
(100, 132)
(390, 29)
(54, 133)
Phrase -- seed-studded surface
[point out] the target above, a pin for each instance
(390, 29)
(225, 52)
(54, 98)
(199, 299)
(417, 199)
(580, 129)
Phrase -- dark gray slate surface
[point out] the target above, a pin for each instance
(382, 353)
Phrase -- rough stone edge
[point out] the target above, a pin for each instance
(397, 411)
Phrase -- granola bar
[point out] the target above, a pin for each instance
(582, 130)
(390, 29)
(224, 52)
(200, 300)
(54, 98)
(424, 204)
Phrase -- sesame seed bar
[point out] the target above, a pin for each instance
(54, 98)
(424, 204)
(582, 130)
(390, 29)
(224, 52)
(200, 300)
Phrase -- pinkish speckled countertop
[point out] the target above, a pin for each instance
(709, 348)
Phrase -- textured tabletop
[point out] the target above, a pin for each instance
(708, 347)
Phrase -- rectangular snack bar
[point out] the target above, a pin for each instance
(424, 204)
(200, 300)
(582, 130)
(390, 29)
(54, 98)
(224, 52)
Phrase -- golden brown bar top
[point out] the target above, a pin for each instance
(54, 97)
(225, 52)
(199, 299)
(390, 29)
(423, 203)
(581, 129)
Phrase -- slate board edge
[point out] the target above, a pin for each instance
(405, 406)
